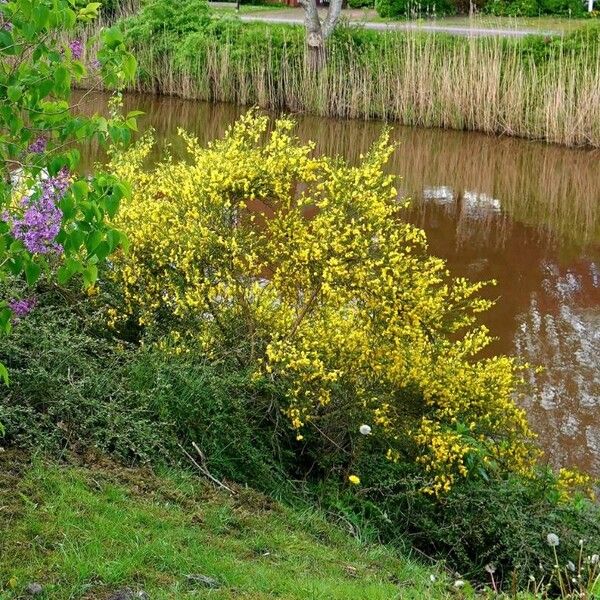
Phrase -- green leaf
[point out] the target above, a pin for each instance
(14, 93)
(32, 272)
(102, 251)
(93, 240)
(80, 190)
(5, 319)
(41, 16)
(62, 79)
(112, 38)
(3, 377)
(129, 66)
(90, 275)
(113, 201)
(7, 43)
(66, 271)
(74, 240)
(67, 206)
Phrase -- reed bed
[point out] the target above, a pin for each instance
(486, 85)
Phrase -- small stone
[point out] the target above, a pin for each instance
(34, 589)
(129, 594)
(124, 594)
(350, 571)
(203, 581)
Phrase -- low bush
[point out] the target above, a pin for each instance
(535, 8)
(411, 9)
(361, 3)
(75, 388)
(500, 524)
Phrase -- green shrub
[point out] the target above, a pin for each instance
(73, 387)
(361, 3)
(534, 8)
(395, 9)
(584, 42)
(500, 522)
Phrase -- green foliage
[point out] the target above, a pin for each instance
(395, 9)
(534, 8)
(502, 522)
(361, 3)
(161, 16)
(69, 388)
(584, 43)
(75, 388)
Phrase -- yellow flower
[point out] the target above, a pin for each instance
(353, 479)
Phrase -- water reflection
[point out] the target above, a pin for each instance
(522, 213)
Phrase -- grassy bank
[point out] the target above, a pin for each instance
(88, 531)
(546, 89)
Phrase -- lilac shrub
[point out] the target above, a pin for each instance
(61, 227)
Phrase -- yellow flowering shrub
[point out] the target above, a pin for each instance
(301, 268)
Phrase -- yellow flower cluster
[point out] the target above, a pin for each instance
(571, 481)
(302, 268)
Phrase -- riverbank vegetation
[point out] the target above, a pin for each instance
(540, 88)
(260, 317)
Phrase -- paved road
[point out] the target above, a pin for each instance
(356, 18)
(470, 31)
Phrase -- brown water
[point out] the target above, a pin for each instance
(522, 213)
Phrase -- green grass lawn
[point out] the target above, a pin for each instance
(535, 24)
(84, 532)
(554, 24)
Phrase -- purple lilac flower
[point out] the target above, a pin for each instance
(41, 220)
(96, 64)
(4, 24)
(38, 146)
(76, 47)
(21, 308)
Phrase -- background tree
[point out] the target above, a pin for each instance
(318, 31)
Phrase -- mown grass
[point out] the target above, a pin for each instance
(85, 532)
(541, 24)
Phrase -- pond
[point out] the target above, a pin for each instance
(522, 213)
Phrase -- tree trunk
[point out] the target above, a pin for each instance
(317, 32)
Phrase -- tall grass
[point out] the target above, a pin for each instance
(484, 85)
